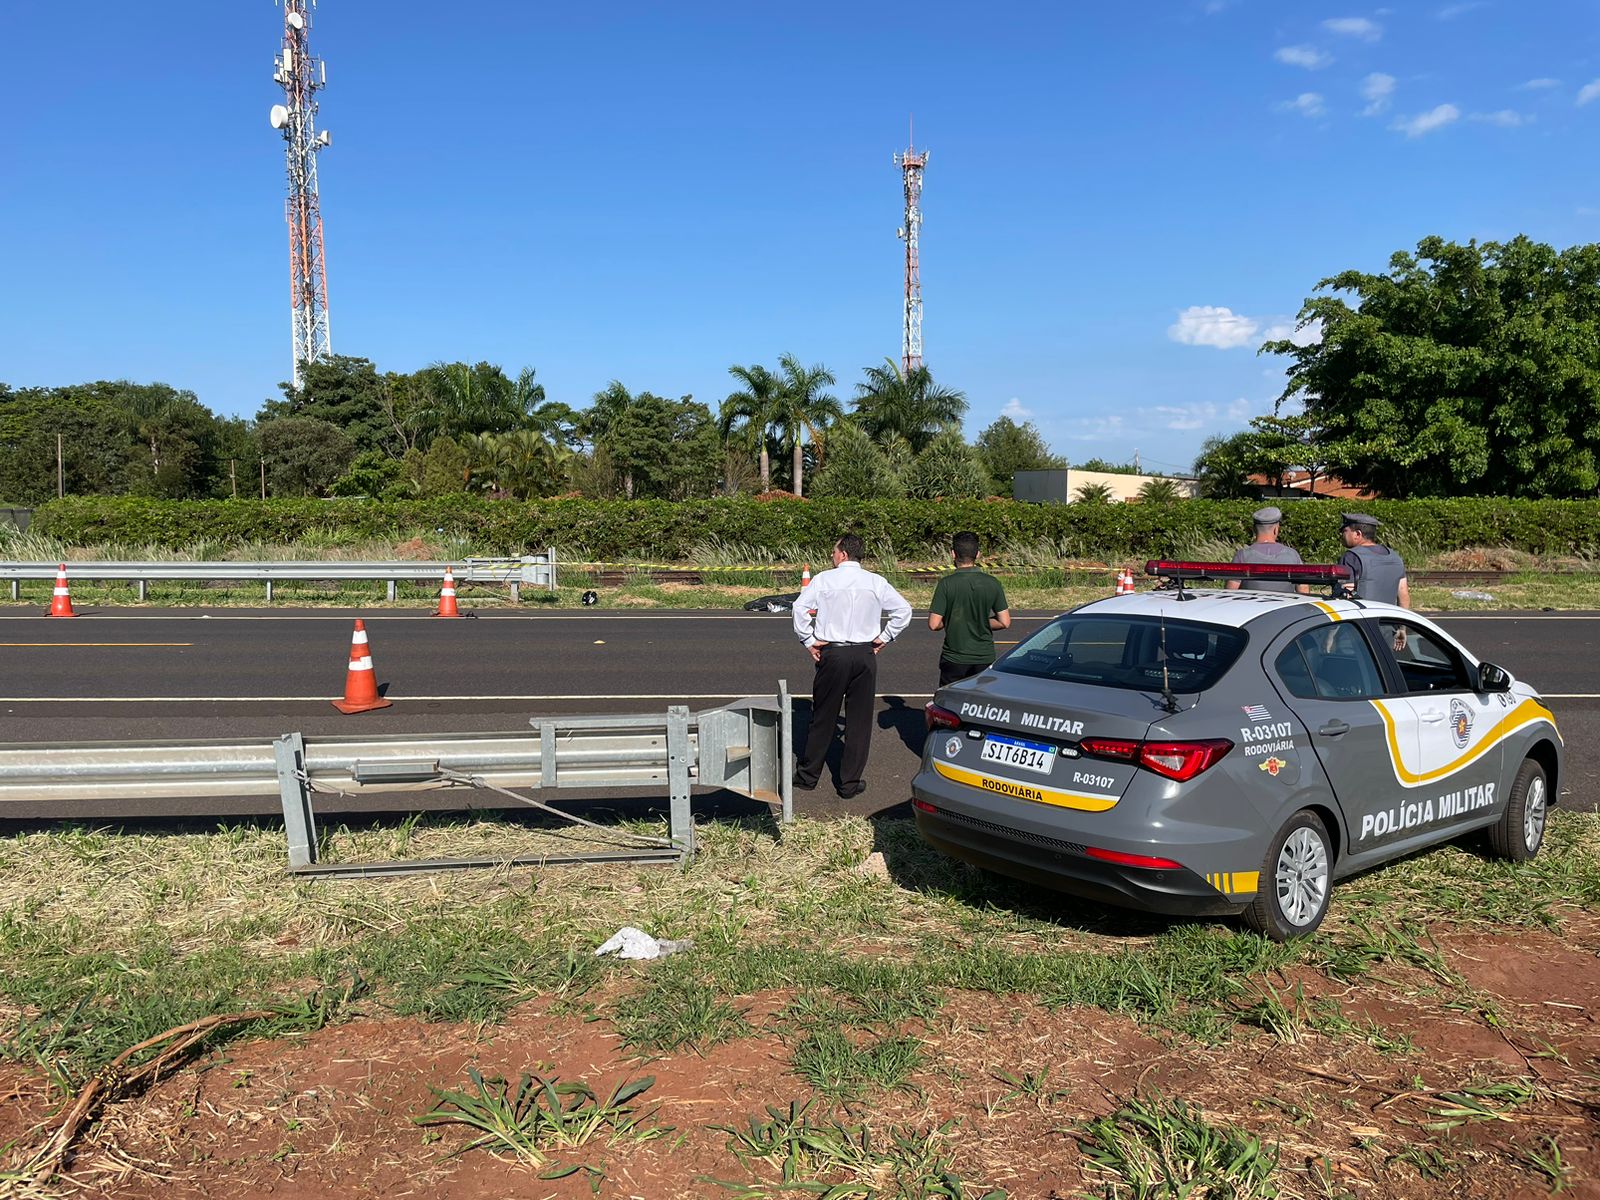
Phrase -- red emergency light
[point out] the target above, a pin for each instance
(1166, 569)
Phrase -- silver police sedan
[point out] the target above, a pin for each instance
(1201, 751)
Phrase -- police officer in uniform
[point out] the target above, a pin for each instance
(1377, 572)
(1266, 548)
(840, 618)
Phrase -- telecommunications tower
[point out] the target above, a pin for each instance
(302, 77)
(911, 164)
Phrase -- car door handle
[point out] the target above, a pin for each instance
(1432, 716)
(1334, 729)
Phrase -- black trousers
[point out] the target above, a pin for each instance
(846, 675)
(954, 672)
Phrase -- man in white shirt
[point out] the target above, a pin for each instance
(840, 618)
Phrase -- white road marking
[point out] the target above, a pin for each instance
(412, 699)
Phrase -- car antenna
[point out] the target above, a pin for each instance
(1169, 701)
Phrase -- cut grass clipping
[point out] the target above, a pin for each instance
(834, 1161)
(1157, 1149)
(537, 1115)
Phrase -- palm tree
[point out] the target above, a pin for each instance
(1093, 493)
(1159, 491)
(753, 410)
(907, 403)
(804, 409)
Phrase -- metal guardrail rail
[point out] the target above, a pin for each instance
(743, 747)
(537, 570)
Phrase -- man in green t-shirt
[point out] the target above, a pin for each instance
(969, 605)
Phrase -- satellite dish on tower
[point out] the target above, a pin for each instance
(295, 20)
(279, 116)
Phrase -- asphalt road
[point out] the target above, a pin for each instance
(123, 674)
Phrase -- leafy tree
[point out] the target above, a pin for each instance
(444, 469)
(344, 392)
(609, 403)
(1159, 491)
(1224, 466)
(1462, 370)
(304, 456)
(94, 444)
(856, 468)
(1108, 468)
(1272, 448)
(373, 473)
(668, 449)
(1007, 448)
(909, 404)
(804, 410)
(1093, 493)
(947, 468)
(748, 415)
(462, 400)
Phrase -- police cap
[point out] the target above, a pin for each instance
(1266, 516)
(1360, 520)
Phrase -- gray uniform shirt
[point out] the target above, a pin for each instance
(1378, 571)
(1275, 553)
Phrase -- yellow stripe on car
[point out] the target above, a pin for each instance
(1026, 791)
(1529, 712)
(1235, 883)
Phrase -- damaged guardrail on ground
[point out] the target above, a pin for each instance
(534, 570)
(743, 747)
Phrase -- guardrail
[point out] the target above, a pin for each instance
(538, 571)
(743, 747)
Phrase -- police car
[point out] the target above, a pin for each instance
(1209, 752)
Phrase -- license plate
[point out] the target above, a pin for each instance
(1014, 752)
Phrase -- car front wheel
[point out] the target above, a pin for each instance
(1296, 878)
(1519, 832)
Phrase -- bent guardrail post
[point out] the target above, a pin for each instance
(299, 818)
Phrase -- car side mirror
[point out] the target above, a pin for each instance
(1493, 679)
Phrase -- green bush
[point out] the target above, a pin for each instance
(664, 530)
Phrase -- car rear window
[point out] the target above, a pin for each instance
(1126, 652)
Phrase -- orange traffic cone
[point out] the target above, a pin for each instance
(805, 577)
(360, 688)
(447, 597)
(61, 602)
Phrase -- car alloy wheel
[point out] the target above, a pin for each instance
(1533, 814)
(1302, 877)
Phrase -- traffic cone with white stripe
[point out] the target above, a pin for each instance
(61, 601)
(805, 577)
(360, 686)
(447, 597)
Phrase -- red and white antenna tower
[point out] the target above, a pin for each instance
(911, 163)
(302, 77)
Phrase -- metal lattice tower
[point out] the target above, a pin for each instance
(302, 76)
(911, 164)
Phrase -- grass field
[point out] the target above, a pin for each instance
(891, 1029)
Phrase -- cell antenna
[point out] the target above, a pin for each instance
(911, 163)
(302, 76)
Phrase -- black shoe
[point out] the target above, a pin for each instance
(850, 793)
(809, 785)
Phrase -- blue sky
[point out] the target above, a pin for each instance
(652, 192)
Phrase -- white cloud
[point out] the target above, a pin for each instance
(1308, 57)
(1213, 325)
(1588, 92)
(1015, 410)
(1095, 429)
(1357, 27)
(1425, 123)
(1506, 118)
(1307, 104)
(1377, 90)
(1279, 330)
(1538, 85)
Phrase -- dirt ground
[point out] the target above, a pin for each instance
(331, 1114)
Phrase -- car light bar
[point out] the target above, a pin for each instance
(1167, 569)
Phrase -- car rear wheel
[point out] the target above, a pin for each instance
(1519, 832)
(1296, 878)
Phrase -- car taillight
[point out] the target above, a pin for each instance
(1132, 860)
(1182, 760)
(1124, 749)
(923, 806)
(940, 718)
